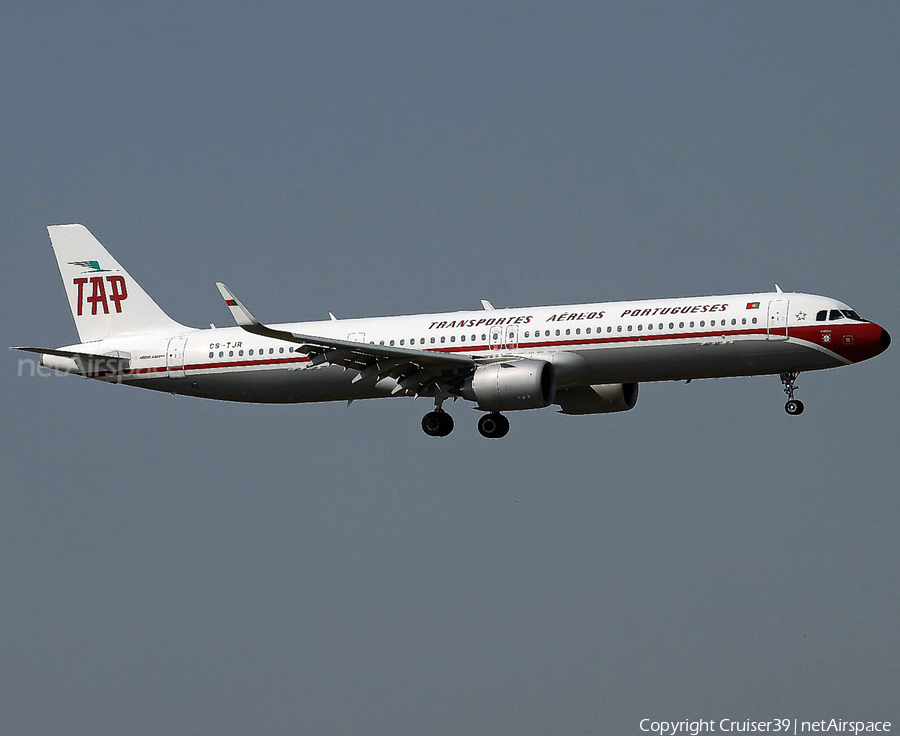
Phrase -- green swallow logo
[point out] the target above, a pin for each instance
(91, 266)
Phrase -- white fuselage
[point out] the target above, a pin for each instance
(614, 342)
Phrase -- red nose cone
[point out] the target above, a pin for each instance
(858, 342)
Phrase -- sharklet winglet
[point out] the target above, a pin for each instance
(240, 313)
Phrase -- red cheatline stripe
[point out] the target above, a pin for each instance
(616, 338)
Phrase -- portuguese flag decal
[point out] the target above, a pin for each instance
(233, 303)
(752, 305)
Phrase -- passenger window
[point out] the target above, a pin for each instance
(272, 350)
(692, 323)
(568, 332)
(240, 352)
(210, 355)
(671, 325)
(462, 338)
(221, 353)
(822, 316)
(588, 331)
(443, 339)
(630, 327)
(452, 338)
(473, 338)
(432, 341)
(640, 328)
(422, 341)
(619, 328)
(526, 333)
(402, 342)
(557, 333)
(754, 320)
(280, 350)
(392, 343)
(681, 325)
(703, 323)
(578, 331)
(231, 353)
(744, 321)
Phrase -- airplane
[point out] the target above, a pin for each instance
(581, 358)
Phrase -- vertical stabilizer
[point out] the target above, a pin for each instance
(105, 300)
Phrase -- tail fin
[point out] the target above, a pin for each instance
(105, 300)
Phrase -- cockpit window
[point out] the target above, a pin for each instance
(822, 316)
(850, 314)
(835, 314)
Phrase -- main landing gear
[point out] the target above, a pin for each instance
(493, 425)
(439, 423)
(794, 407)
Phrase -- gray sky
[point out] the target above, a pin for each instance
(171, 565)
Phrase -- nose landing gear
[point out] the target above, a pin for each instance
(794, 407)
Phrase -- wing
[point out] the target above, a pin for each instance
(416, 371)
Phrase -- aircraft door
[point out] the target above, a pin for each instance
(776, 324)
(175, 357)
(495, 337)
(510, 337)
(504, 337)
(357, 337)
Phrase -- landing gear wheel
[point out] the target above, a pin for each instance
(493, 426)
(437, 424)
(794, 407)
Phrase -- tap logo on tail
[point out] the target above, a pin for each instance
(100, 297)
(91, 266)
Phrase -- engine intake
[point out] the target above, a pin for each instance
(599, 399)
(520, 384)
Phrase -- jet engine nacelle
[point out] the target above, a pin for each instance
(599, 399)
(520, 384)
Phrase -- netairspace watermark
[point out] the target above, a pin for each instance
(791, 726)
(109, 369)
(30, 367)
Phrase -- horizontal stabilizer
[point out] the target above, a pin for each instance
(115, 354)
